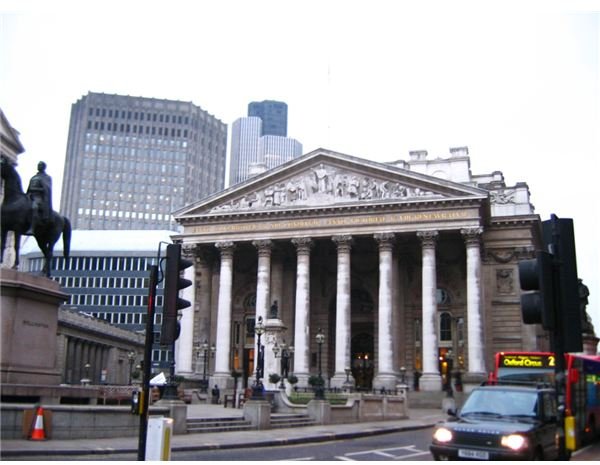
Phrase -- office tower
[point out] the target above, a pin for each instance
(258, 142)
(273, 115)
(131, 161)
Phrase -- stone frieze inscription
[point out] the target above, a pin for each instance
(328, 222)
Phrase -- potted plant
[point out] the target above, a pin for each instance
(274, 378)
(292, 379)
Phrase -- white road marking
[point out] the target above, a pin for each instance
(391, 453)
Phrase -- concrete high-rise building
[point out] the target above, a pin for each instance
(259, 142)
(273, 115)
(131, 161)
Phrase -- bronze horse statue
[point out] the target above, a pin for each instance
(17, 215)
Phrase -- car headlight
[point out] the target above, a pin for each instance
(514, 441)
(442, 435)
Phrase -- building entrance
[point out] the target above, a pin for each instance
(362, 360)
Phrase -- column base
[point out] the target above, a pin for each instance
(385, 381)
(430, 382)
(339, 381)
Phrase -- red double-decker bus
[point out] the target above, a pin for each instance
(582, 376)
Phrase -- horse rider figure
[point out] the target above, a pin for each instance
(40, 193)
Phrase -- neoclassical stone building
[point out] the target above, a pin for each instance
(409, 265)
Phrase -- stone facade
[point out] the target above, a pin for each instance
(399, 265)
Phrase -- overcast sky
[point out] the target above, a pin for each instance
(516, 82)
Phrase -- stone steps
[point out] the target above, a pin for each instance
(225, 424)
(291, 421)
(216, 425)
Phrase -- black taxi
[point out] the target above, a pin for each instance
(500, 423)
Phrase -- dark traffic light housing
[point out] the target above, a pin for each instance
(172, 303)
(536, 276)
(553, 283)
(559, 234)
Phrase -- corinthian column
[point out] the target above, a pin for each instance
(342, 317)
(223, 343)
(185, 342)
(431, 379)
(263, 285)
(302, 311)
(385, 378)
(476, 366)
(204, 258)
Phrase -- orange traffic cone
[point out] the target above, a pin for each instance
(37, 432)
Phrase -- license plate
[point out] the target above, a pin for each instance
(473, 454)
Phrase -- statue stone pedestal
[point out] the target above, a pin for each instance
(320, 411)
(258, 413)
(29, 321)
(178, 412)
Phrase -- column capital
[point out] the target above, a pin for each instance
(303, 244)
(385, 240)
(343, 242)
(472, 236)
(226, 248)
(189, 250)
(264, 246)
(428, 238)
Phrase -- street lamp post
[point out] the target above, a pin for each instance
(319, 391)
(86, 374)
(285, 363)
(259, 329)
(131, 357)
(204, 364)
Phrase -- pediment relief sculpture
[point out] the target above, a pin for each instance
(322, 185)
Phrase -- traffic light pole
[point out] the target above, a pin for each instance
(147, 363)
(556, 340)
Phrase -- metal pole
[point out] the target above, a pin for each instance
(147, 362)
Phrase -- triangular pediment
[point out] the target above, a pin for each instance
(327, 179)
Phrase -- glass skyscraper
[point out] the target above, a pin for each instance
(273, 115)
(131, 161)
(259, 142)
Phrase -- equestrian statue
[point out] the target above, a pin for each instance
(31, 214)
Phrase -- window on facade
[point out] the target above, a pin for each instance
(445, 326)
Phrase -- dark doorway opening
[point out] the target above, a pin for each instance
(362, 349)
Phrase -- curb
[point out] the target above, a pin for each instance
(205, 447)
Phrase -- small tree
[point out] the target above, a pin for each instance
(292, 379)
(274, 378)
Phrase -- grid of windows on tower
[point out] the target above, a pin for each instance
(118, 294)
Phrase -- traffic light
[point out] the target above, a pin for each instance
(536, 276)
(172, 302)
(560, 237)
